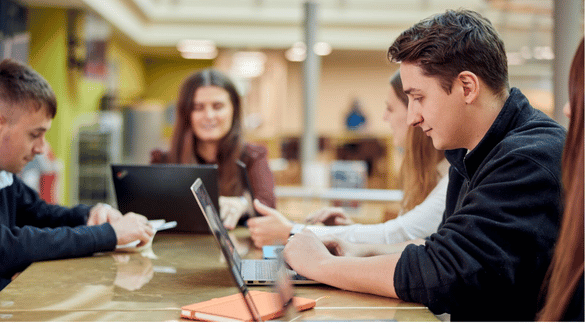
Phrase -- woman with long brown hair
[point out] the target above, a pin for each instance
(208, 130)
(424, 180)
(564, 284)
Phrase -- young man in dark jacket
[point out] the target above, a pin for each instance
(489, 255)
(30, 229)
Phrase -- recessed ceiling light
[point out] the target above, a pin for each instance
(298, 52)
(248, 64)
(322, 48)
(197, 49)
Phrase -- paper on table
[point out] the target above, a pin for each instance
(157, 225)
(164, 225)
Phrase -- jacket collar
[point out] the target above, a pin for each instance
(6, 179)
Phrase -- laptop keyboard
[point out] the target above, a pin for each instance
(265, 270)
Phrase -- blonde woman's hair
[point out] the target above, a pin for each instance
(418, 171)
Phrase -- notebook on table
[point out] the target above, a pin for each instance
(244, 306)
(161, 191)
(251, 271)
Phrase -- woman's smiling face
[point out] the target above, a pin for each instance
(212, 115)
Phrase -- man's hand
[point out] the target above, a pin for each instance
(132, 227)
(231, 209)
(329, 216)
(304, 253)
(270, 228)
(339, 247)
(103, 213)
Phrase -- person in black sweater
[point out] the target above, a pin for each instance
(490, 254)
(30, 229)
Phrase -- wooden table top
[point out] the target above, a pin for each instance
(152, 285)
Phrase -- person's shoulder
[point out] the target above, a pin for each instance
(158, 156)
(531, 129)
(539, 141)
(529, 122)
(543, 147)
(254, 151)
(539, 119)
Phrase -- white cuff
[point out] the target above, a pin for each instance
(297, 228)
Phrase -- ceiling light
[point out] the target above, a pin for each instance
(210, 55)
(296, 53)
(248, 64)
(515, 58)
(527, 54)
(322, 48)
(544, 53)
(197, 49)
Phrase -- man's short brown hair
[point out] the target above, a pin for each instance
(446, 44)
(20, 84)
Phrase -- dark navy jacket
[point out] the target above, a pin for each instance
(32, 230)
(489, 256)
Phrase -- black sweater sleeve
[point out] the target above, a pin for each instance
(31, 210)
(32, 230)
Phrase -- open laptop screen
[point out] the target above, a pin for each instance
(228, 249)
(162, 192)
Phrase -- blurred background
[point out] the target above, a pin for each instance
(116, 67)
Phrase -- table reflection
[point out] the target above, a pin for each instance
(132, 272)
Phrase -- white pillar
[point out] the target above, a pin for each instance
(311, 73)
(567, 17)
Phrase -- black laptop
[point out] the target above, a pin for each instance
(163, 191)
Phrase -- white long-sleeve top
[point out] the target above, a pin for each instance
(420, 222)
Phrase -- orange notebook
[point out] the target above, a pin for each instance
(233, 307)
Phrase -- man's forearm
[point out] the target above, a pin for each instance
(373, 275)
(367, 250)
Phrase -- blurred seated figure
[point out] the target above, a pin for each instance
(208, 130)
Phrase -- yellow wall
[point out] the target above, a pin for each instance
(129, 67)
(165, 76)
(77, 96)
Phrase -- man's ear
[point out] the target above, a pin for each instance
(470, 84)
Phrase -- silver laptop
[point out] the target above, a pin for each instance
(253, 271)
